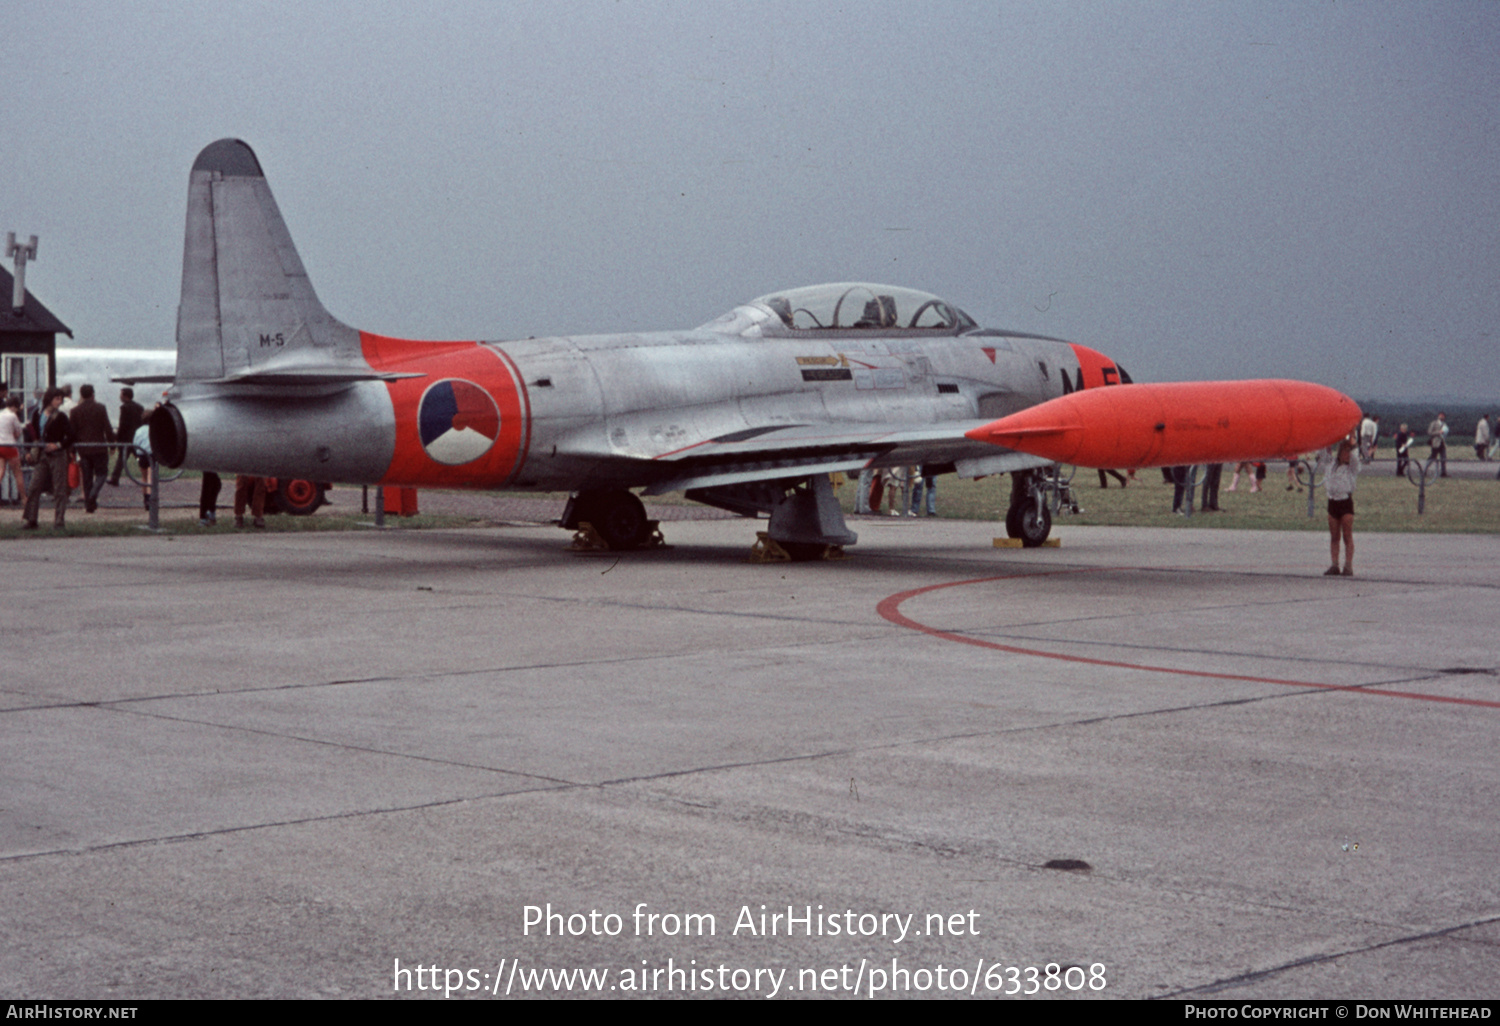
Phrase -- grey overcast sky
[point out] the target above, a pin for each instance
(1203, 190)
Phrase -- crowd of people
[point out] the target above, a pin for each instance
(56, 435)
(1338, 467)
(60, 438)
(58, 445)
(901, 489)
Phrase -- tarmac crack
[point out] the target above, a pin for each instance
(247, 827)
(343, 745)
(876, 633)
(733, 613)
(945, 738)
(1262, 974)
(1000, 635)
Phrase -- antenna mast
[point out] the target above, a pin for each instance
(22, 254)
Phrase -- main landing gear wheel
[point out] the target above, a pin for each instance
(1030, 523)
(617, 516)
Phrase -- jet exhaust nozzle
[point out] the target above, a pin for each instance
(168, 436)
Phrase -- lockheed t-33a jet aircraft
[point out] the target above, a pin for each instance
(750, 412)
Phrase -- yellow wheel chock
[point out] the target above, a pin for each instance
(767, 550)
(586, 539)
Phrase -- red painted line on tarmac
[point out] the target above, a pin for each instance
(890, 608)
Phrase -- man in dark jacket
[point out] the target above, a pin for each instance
(55, 433)
(1437, 437)
(131, 415)
(92, 431)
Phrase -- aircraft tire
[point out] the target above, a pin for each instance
(1013, 522)
(803, 552)
(299, 498)
(1033, 525)
(617, 515)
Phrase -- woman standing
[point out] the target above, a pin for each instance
(10, 445)
(1339, 482)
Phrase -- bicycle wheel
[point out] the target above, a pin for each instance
(163, 474)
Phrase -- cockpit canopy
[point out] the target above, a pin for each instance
(857, 305)
(845, 306)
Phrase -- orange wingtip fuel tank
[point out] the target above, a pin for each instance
(1151, 425)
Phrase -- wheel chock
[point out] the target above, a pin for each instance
(767, 551)
(653, 538)
(1016, 543)
(586, 539)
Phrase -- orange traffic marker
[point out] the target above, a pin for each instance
(1148, 425)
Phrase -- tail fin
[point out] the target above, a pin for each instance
(248, 312)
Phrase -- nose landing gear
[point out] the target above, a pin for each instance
(1029, 517)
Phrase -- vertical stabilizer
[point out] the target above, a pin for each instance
(247, 305)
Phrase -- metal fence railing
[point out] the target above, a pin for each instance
(133, 458)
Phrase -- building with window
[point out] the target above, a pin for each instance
(28, 344)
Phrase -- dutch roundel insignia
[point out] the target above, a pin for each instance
(458, 422)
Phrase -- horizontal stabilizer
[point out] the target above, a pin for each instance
(310, 376)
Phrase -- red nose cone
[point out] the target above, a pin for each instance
(1180, 423)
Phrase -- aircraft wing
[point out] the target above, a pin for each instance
(770, 453)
